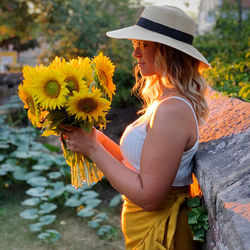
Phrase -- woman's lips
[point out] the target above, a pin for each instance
(140, 64)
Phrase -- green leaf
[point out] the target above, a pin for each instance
(4, 145)
(38, 181)
(47, 219)
(2, 157)
(29, 214)
(86, 212)
(87, 126)
(31, 202)
(47, 208)
(192, 219)
(40, 167)
(87, 195)
(94, 223)
(7, 167)
(106, 230)
(36, 227)
(51, 148)
(54, 175)
(73, 201)
(20, 175)
(93, 203)
(49, 234)
(69, 188)
(115, 200)
(38, 191)
(193, 202)
(2, 172)
(57, 191)
(203, 217)
(101, 216)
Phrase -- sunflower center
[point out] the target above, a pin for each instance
(104, 78)
(87, 105)
(30, 102)
(72, 84)
(52, 88)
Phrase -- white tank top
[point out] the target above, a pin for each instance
(132, 141)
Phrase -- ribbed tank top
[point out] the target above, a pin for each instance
(132, 141)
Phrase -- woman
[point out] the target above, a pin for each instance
(152, 167)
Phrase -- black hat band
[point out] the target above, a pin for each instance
(165, 30)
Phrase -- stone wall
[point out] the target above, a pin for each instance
(223, 172)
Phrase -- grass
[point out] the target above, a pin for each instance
(76, 234)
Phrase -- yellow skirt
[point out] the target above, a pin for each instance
(166, 228)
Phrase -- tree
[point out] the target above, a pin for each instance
(226, 47)
(17, 25)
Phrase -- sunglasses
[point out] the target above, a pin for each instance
(138, 44)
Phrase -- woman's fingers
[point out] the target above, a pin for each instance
(66, 128)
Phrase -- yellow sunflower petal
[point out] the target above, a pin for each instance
(73, 78)
(83, 64)
(49, 89)
(88, 105)
(57, 63)
(105, 70)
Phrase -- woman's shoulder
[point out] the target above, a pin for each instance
(173, 109)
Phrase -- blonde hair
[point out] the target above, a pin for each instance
(175, 70)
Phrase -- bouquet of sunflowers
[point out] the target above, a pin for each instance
(76, 92)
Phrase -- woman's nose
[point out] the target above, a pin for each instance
(137, 53)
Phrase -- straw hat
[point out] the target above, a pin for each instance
(163, 24)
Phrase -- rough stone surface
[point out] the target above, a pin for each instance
(223, 172)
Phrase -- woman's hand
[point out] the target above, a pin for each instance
(80, 141)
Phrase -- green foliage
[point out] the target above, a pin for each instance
(45, 174)
(17, 25)
(197, 219)
(226, 47)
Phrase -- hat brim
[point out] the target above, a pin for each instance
(136, 32)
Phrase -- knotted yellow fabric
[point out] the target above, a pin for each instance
(163, 229)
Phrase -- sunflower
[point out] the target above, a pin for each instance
(73, 78)
(29, 73)
(49, 88)
(57, 63)
(83, 64)
(88, 105)
(29, 103)
(105, 70)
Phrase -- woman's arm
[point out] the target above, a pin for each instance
(160, 158)
(110, 145)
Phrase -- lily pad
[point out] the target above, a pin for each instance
(31, 202)
(29, 214)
